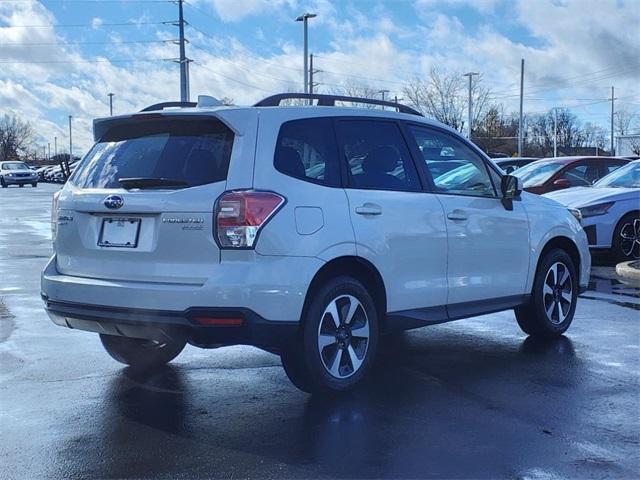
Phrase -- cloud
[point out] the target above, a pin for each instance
(236, 10)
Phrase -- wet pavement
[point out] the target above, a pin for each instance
(468, 399)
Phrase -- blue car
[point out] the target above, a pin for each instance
(610, 211)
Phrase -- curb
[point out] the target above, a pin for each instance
(627, 270)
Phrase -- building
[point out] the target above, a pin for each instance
(627, 145)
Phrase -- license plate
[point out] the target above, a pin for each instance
(119, 232)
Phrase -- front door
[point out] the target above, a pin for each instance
(488, 245)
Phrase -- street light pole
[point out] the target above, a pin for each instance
(304, 18)
(520, 126)
(55, 147)
(470, 75)
(65, 173)
(110, 95)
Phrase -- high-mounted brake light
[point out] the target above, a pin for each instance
(239, 216)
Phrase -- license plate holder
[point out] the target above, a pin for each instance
(119, 232)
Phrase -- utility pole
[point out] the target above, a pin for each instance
(383, 93)
(470, 75)
(555, 132)
(304, 18)
(312, 72)
(110, 95)
(520, 126)
(70, 143)
(55, 147)
(613, 150)
(44, 152)
(184, 89)
(48, 151)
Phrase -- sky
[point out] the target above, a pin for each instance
(62, 57)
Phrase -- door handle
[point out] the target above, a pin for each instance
(369, 209)
(457, 215)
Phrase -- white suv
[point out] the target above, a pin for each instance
(307, 231)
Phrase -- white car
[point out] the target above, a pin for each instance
(17, 173)
(610, 211)
(306, 231)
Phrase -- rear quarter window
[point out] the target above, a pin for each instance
(194, 151)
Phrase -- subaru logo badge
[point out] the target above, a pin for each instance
(113, 201)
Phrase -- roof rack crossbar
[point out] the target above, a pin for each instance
(163, 105)
(330, 101)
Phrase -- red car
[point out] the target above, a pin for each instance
(550, 174)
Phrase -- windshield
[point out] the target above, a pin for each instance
(624, 177)
(14, 166)
(536, 173)
(189, 152)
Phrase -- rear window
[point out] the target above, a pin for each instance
(192, 151)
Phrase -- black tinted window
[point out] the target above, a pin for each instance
(306, 149)
(376, 155)
(196, 152)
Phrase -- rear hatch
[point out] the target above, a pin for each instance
(139, 207)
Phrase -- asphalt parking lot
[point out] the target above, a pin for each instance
(468, 399)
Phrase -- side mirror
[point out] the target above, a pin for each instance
(511, 187)
(510, 169)
(562, 183)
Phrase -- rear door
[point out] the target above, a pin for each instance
(398, 227)
(488, 245)
(154, 229)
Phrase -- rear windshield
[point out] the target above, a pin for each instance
(192, 151)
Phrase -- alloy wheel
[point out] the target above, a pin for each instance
(630, 239)
(557, 293)
(343, 336)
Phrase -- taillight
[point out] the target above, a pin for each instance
(54, 216)
(239, 216)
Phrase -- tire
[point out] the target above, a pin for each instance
(21, 185)
(551, 295)
(625, 244)
(338, 339)
(140, 353)
(34, 185)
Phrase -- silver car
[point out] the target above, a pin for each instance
(17, 173)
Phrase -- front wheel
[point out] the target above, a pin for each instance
(4, 185)
(141, 353)
(34, 184)
(553, 299)
(626, 238)
(338, 340)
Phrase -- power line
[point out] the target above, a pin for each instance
(232, 79)
(87, 25)
(104, 60)
(86, 43)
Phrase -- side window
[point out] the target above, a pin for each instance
(377, 156)
(581, 175)
(306, 149)
(454, 167)
(612, 167)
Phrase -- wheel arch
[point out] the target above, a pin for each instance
(630, 212)
(564, 243)
(358, 268)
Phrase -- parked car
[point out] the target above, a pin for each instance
(308, 233)
(610, 211)
(550, 174)
(511, 164)
(17, 173)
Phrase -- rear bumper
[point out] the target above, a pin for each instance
(248, 329)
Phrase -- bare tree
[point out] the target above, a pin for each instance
(624, 120)
(355, 89)
(634, 144)
(15, 137)
(444, 97)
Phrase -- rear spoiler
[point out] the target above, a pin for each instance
(226, 116)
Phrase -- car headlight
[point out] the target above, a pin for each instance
(593, 210)
(576, 213)
(9, 174)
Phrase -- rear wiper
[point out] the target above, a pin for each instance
(150, 182)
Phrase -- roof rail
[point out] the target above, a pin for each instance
(330, 101)
(163, 105)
